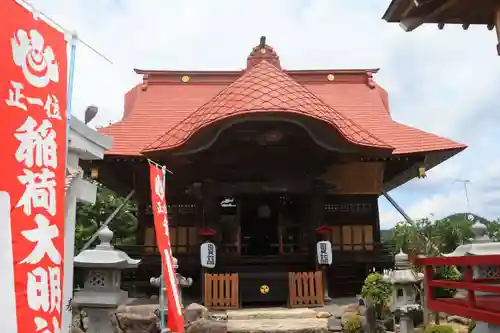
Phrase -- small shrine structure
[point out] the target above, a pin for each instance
(479, 263)
(411, 14)
(266, 162)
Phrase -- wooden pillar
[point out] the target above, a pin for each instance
(209, 216)
(210, 210)
(141, 222)
(317, 214)
(318, 218)
(497, 27)
(142, 197)
(376, 223)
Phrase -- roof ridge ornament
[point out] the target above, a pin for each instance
(263, 52)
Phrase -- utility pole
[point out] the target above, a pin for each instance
(465, 182)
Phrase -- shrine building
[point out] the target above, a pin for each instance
(266, 162)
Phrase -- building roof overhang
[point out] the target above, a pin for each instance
(170, 107)
(411, 14)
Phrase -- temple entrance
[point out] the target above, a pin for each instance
(259, 225)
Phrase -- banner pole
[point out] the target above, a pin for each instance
(70, 212)
(162, 280)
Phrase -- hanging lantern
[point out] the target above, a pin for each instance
(323, 229)
(207, 232)
(421, 172)
(94, 173)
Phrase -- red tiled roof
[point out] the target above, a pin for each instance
(153, 112)
(264, 88)
(369, 108)
(164, 114)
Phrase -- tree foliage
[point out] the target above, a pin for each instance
(432, 238)
(90, 217)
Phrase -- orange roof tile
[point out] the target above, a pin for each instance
(153, 112)
(264, 88)
(369, 108)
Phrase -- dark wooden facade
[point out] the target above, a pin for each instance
(223, 187)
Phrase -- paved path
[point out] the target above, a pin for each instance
(279, 320)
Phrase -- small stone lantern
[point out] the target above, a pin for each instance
(182, 282)
(103, 266)
(404, 282)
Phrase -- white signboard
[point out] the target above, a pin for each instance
(208, 255)
(8, 303)
(324, 252)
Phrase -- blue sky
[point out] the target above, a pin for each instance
(446, 82)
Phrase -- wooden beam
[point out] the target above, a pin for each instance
(411, 23)
(235, 188)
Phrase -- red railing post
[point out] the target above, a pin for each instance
(471, 295)
(428, 289)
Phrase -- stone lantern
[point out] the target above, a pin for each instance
(103, 266)
(405, 283)
(481, 244)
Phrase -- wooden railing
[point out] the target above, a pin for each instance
(221, 291)
(306, 289)
(482, 302)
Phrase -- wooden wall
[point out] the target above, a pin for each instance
(353, 220)
(356, 177)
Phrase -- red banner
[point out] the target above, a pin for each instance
(33, 70)
(159, 206)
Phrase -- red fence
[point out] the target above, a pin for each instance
(485, 308)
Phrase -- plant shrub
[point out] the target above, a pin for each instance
(446, 273)
(379, 291)
(439, 329)
(353, 325)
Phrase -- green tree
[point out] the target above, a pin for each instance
(494, 230)
(432, 238)
(414, 237)
(90, 217)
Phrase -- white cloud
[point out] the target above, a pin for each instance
(435, 79)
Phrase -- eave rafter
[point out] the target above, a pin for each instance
(433, 9)
(413, 13)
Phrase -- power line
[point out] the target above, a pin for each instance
(50, 20)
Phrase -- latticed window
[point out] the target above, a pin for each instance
(352, 238)
(182, 229)
(351, 219)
